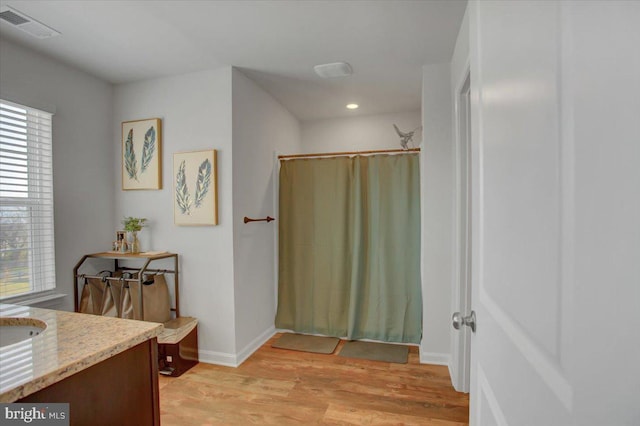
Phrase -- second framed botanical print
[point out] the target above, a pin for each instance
(142, 154)
(195, 195)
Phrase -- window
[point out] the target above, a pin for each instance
(27, 261)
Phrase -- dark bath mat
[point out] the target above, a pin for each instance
(306, 343)
(376, 351)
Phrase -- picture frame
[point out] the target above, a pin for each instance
(142, 154)
(121, 238)
(195, 188)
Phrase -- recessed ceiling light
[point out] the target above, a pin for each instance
(352, 106)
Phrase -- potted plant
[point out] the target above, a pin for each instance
(132, 225)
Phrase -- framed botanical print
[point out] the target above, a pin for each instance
(195, 195)
(142, 154)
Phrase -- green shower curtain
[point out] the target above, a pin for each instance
(349, 247)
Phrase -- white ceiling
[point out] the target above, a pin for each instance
(276, 43)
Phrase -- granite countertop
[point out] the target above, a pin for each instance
(71, 343)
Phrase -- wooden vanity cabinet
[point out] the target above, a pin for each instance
(121, 390)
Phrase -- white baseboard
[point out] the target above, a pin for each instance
(254, 345)
(455, 381)
(453, 377)
(217, 358)
(234, 360)
(434, 358)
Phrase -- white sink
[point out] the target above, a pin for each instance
(14, 330)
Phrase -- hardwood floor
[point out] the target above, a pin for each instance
(281, 387)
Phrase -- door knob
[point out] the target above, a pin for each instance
(459, 321)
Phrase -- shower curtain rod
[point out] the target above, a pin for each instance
(338, 154)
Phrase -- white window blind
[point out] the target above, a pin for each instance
(26, 201)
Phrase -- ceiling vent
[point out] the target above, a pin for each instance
(26, 23)
(337, 69)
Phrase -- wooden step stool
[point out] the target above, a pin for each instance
(178, 346)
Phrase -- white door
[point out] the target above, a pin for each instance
(555, 89)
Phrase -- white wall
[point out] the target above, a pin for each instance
(82, 151)
(359, 133)
(196, 113)
(437, 213)
(261, 127)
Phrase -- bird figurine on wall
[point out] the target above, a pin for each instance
(406, 137)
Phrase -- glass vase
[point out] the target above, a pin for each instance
(134, 243)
